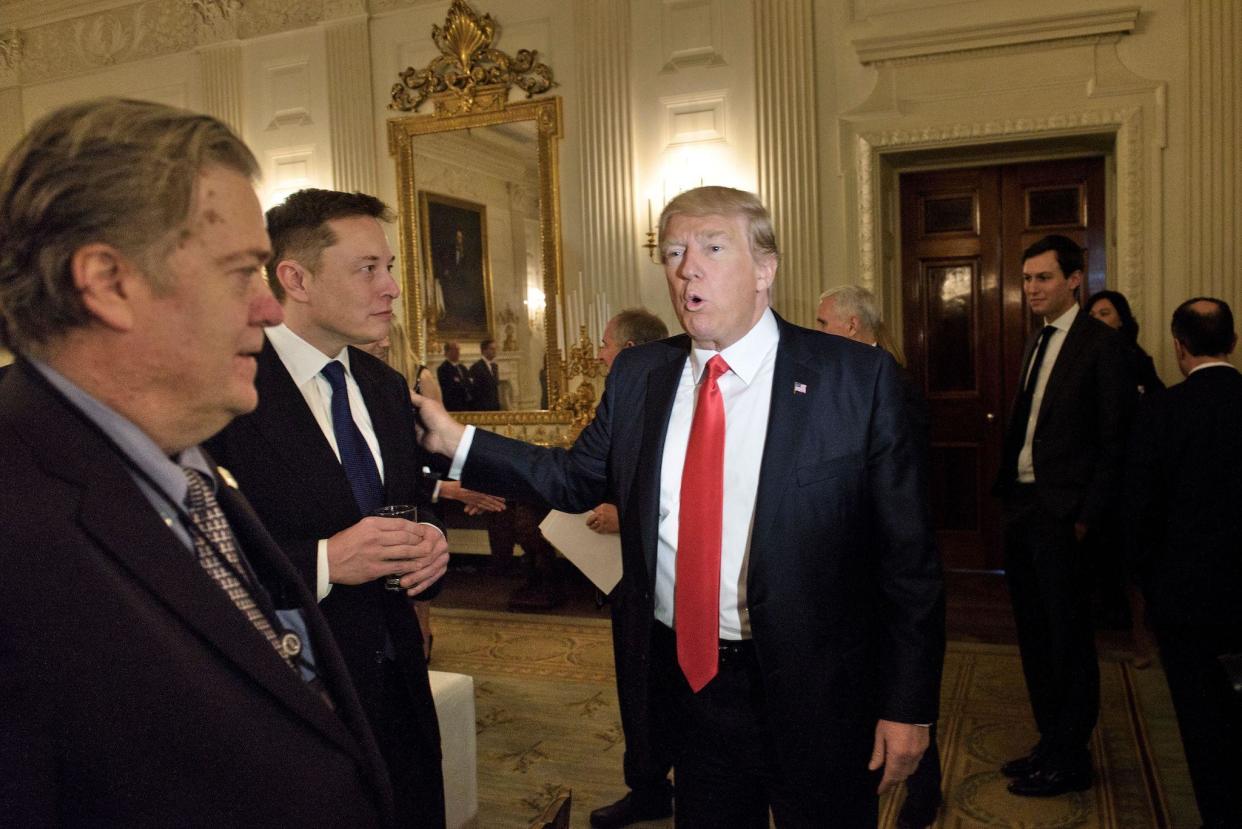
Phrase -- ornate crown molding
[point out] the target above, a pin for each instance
(212, 11)
(469, 74)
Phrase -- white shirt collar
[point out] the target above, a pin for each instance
(302, 359)
(1064, 321)
(1212, 364)
(746, 356)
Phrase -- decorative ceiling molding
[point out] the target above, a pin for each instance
(212, 11)
(1118, 21)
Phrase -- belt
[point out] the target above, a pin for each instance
(731, 651)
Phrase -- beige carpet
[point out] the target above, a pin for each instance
(547, 716)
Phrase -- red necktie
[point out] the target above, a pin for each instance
(696, 594)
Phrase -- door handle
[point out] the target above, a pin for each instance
(989, 417)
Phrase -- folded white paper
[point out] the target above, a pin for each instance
(597, 556)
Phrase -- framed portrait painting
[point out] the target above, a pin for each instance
(454, 244)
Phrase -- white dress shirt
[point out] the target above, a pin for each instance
(746, 390)
(304, 362)
(747, 393)
(1026, 461)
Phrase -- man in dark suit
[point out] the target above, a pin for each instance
(148, 677)
(485, 379)
(851, 311)
(454, 380)
(1061, 468)
(647, 758)
(331, 441)
(1183, 492)
(781, 600)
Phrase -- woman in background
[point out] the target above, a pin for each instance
(1113, 309)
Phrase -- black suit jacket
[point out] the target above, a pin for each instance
(135, 693)
(1079, 439)
(288, 470)
(483, 386)
(843, 585)
(1183, 492)
(455, 386)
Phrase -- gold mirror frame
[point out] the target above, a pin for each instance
(549, 426)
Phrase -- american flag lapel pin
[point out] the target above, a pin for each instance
(799, 388)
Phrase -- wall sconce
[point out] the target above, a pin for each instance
(535, 304)
(653, 248)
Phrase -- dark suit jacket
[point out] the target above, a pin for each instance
(288, 470)
(135, 693)
(484, 388)
(1080, 436)
(843, 585)
(455, 386)
(1183, 493)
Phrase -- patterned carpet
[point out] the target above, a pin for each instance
(547, 716)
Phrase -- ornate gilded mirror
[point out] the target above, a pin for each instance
(479, 207)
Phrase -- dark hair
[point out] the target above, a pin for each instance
(1202, 333)
(1069, 254)
(485, 343)
(110, 170)
(638, 326)
(1129, 325)
(299, 226)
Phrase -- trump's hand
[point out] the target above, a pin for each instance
(439, 432)
(898, 748)
(603, 519)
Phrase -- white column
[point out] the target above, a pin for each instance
(1214, 190)
(611, 237)
(788, 150)
(351, 116)
(221, 78)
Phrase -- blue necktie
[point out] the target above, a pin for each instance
(356, 457)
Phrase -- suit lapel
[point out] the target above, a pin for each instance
(1071, 351)
(661, 392)
(385, 420)
(287, 424)
(115, 513)
(257, 544)
(788, 417)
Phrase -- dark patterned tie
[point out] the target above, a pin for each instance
(356, 457)
(213, 540)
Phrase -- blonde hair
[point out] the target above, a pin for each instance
(110, 170)
(726, 201)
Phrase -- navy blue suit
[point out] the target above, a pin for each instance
(287, 468)
(843, 584)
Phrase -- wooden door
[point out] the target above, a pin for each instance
(965, 322)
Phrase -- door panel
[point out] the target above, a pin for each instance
(965, 322)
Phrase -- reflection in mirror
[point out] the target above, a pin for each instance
(480, 239)
(478, 208)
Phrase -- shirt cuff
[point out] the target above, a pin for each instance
(459, 457)
(435, 493)
(322, 586)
